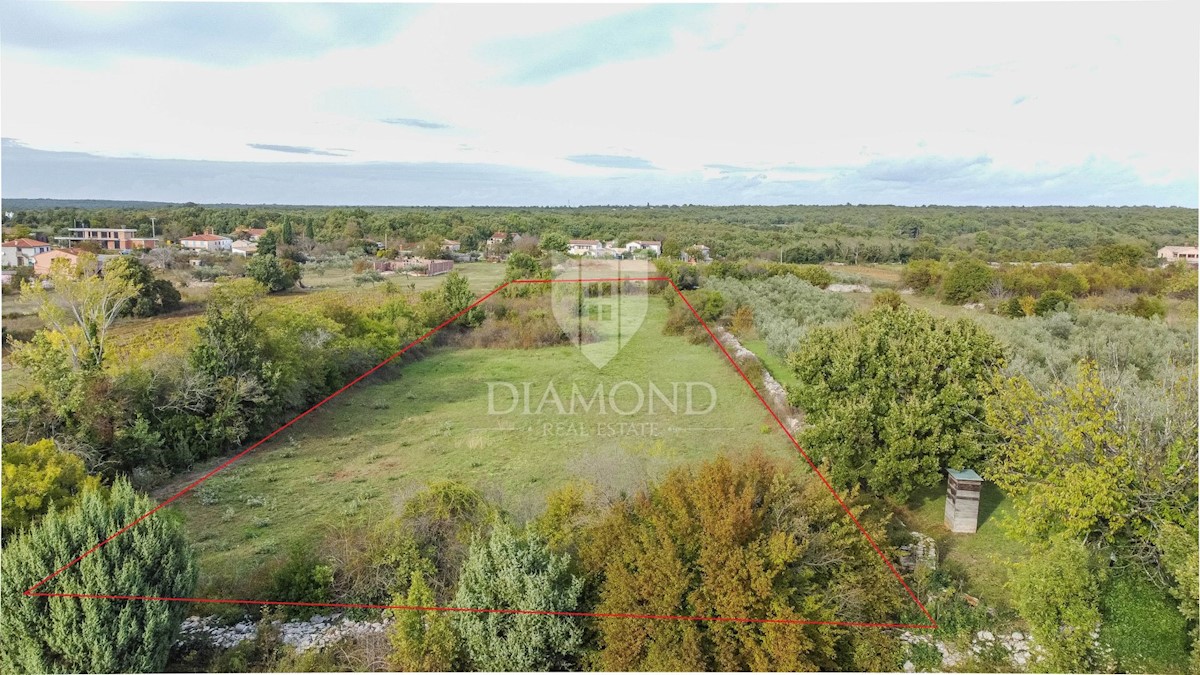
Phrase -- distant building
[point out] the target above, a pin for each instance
(20, 252)
(450, 245)
(697, 253)
(243, 247)
(250, 233)
(108, 238)
(499, 238)
(207, 242)
(1188, 254)
(641, 245)
(589, 247)
(43, 262)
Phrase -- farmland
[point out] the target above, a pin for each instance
(364, 453)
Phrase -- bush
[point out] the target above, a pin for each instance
(37, 478)
(1056, 590)
(302, 578)
(1148, 307)
(922, 275)
(965, 282)
(1051, 302)
(507, 572)
(56, 634)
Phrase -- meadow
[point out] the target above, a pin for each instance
(365, 453)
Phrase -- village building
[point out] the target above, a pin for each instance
(642, 245)
(21, 252)
(244, 247)
(1187, 254)
(250, 233)
(44, 261)
(107, 238)
(589, 247)
(207, 242)
(451, 245)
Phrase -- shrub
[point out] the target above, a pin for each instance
(922, 275)
(422, 641)
(1056, 590)
(887, 298)
(965, 281)
(509, 572)
(302, 578)
(1148, 307)
(57, 634)
(38, 477)
(1051, 302)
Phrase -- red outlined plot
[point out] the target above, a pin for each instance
(34, 592)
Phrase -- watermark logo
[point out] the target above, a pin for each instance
(602, 310)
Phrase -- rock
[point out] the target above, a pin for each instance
(909, 667)
(1018, 635)
(848, 288)
(985, 635)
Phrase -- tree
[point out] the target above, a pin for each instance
(422, 641)
(38, 477)
(1076, 462)
(81, 305)
(271, 273)
(1056, 590)
(965, 281)
(745, 539)
(1121, 254)
(268, 243)
(509, 572)
(59, 634)
(457, 295)
(288, 235)
(895, 397)
(153, 296)
(554, 242)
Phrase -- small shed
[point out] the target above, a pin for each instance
(962, 500)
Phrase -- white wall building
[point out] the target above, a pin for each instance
(207, 242)
(20, 252)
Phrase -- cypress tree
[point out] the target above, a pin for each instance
(50, 635)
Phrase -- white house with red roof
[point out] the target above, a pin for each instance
(20, 252)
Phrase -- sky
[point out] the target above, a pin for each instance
(967, 104)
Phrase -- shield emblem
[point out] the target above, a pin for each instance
(599, 303)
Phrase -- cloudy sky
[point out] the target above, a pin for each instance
(1072, 103)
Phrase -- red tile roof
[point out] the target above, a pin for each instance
(204, 237)
(24, 243)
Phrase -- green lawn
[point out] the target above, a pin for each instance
(985, 557)
(772, 362)
(365, 453)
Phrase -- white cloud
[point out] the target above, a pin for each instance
(817, 86)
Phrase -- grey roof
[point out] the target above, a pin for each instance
(966, 474)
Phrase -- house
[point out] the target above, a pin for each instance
(1188, 254)
(243, 247)
(20, 252)
(250, 233)
(207, 242)
(450, 245)
(698, 252)
(499, 238)
(110, 238)
(589, 247)
(44, 261)
(642, 245)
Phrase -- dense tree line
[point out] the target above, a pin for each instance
(797, 234)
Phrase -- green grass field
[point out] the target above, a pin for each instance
(985, 557)
(365, 453)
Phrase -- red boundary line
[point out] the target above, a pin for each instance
(33, 592)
